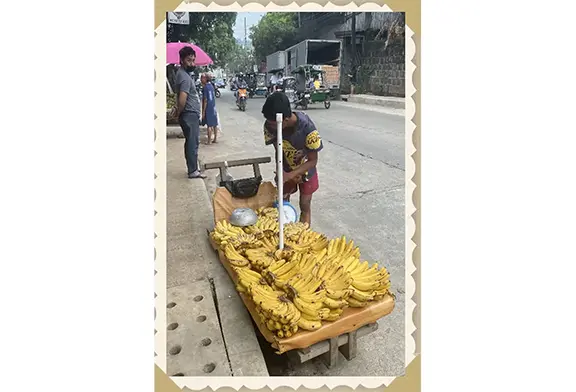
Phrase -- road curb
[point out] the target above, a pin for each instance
(390, 102)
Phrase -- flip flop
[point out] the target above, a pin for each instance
(200, 175)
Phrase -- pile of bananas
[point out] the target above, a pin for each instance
(276, 311)
(368, 283)
(269, 212)
(312, 280)
(264, 227)
(170, 101)
(224, 232)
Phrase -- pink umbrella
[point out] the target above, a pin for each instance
(173, 56)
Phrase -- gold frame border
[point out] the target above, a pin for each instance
(411, 380)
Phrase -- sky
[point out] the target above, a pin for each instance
(252, 18)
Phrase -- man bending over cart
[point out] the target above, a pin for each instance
(300, 145)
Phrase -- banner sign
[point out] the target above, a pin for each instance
(182, 18)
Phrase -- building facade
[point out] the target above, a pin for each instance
(376, 59)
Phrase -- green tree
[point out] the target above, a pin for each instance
(275, 31)
(211, 31)
(240, 59)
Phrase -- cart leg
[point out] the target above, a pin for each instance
(349, 349)
(256, 168)
(331, 357)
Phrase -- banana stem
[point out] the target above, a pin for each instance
(280, 174)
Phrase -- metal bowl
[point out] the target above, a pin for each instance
(243, 217)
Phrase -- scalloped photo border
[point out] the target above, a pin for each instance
(410, 382)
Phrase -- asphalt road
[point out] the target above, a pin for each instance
(361, 195)
(367, 131)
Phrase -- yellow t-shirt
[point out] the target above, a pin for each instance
(316, 84)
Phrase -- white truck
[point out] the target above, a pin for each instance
(325, 53)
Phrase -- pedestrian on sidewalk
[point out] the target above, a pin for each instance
(301, 143)
(209, 116)
(188, 113)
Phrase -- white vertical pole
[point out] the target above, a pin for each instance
(280, 175)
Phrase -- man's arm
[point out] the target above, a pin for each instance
(313, 146)
(309, 164)
(204, 101)
(183, 88)
(182, 97)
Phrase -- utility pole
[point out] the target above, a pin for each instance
(353, 33)
(245, 35)
(299, 20)
(353, 39)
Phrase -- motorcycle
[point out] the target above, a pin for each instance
(216, 90)
(302, 100)
(274, 88)
(241, 97)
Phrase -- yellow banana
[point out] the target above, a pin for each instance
(314, 297)
(335, 304)
(355, 303)
(324, 313)
(365, 285)
(309, 307)
(332, 317)
(335, 294)
(363, 296)
(309, 325)
(239, 263)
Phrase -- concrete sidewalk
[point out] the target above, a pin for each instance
(390, 102)
(221, 341)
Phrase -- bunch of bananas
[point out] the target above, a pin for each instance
(339, 249)
(235, 258)
(270, 243)
(368, 283)
(293, 230)
(269, 212)
(224, 232)
(336, 284)
(276, 311)
(246, 278)
(308, 297)
(245, 241)
(279, 272)
(267, 226)
(170, 101)
(306, 240)
(260, 258)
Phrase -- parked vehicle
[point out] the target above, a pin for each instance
(260, 88)
(276, 62)
(323, 54)
(306, 73)
(302, 99)
(289, 87)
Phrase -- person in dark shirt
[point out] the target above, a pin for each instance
(301, 143)
(188, 105)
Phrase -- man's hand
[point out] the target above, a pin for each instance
(288, 176)
(292, 177)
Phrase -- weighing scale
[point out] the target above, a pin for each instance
(290, 213)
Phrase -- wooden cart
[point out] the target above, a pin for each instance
(340, 335)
